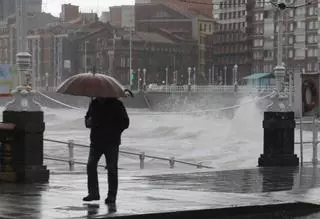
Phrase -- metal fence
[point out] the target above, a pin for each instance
(141, 156)
(314, 122)
(195, 88)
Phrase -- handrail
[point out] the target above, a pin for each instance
(67, 161)
(142, 156)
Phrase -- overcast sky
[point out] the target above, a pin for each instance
(54, 6)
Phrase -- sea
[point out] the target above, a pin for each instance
(219, 142)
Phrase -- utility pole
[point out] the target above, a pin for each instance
(279, 70)
(85, 56)
(130, 50)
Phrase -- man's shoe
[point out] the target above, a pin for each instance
(110, 200)
(91, 198)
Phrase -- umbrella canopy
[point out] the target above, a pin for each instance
(92, 85)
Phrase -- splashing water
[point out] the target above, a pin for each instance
(220, 143)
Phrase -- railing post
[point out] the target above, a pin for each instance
(301, 141)
(314, 141)
(142, 157)
(71, 155)
(171, 162)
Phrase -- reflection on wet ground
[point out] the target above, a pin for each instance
(215, 190)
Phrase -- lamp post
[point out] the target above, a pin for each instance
(189, 79)
(225, 75)
(212, 77)
(47, 80)
(209, 76)
(177, 75)
(167, 78)
(85, 56)
(194, 76)
(235, 68)
(139, 79)
(144, 79)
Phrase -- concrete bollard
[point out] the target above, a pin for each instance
(278, 140)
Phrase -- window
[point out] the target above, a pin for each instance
(300, 38)
(312, 38)
(312, 52)
(291, 13)
(311, 11)
(309, 67)
(258, 16)
(290, 40)
(162, 14)
(291, 27)
(300, 11)
(123, 62)
(268, 54)
(300, 24)
(290, 53)
(258, 42)
(300, 53)
(312, 25)
(257, 55)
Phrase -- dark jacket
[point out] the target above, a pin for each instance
(109, 119)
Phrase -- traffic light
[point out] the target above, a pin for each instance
(133, 76)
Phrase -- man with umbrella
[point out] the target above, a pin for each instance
(107, 118)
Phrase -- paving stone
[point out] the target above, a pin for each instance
(163, 193)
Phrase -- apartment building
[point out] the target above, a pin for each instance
(232, 39)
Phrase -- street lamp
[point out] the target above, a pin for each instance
(212, 77)
(139, 79)
(189, 78)
(225, 75)
(85, 56)
(167, 78)
(235, 68)
(47, 80)
(194, 76)
(144, 79)
(176, 77)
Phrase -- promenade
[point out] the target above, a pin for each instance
(284, 192)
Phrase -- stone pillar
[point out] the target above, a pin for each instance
(28, 118)
(278, 140)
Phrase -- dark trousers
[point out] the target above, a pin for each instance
(112, 155)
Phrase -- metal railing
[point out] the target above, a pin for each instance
(71, 161)
(71, 145)
(315, 123)
(195, 88)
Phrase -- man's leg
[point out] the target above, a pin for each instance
(112, 155)
(92, 173)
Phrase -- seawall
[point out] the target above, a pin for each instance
(152, 100)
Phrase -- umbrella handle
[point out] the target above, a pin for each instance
(128, 92)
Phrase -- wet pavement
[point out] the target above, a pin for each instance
(208, 192)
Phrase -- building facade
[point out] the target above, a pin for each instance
(300, 38)
(232, 39)
(69, 12)
(122, 16)
(7, 7)
(181, 22)
(108, 50)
